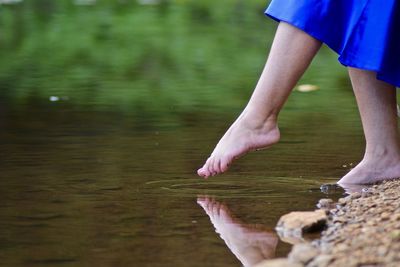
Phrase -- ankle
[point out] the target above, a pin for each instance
(378, 152)
(259, 121)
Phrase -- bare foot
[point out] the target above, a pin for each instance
(247, 133)
(251, 244)
(370, 171)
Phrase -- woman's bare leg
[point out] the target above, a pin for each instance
(291, 53)
(377, 104)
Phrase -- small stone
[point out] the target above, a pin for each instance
(388, 198)
(280, 262)
(396, 217)
(342, 201)
(340, 213)
(341, 247)
(339, 220)
(303, 253)
(385, 216)
(372, 222)
(301, 222)
(364, 194)
(382, 250)
(395, 235)
(372, 210)
(355, 195)
(325, 203)
(321, 261)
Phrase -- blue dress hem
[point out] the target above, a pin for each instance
(344, 61)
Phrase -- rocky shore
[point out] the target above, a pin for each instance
(361, 229)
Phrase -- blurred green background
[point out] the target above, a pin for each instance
(147, 55)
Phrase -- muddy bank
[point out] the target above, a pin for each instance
(362, 229)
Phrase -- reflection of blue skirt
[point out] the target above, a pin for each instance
(365, 33)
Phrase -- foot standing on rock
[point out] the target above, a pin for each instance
(370, 52)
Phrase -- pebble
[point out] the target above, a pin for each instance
(280, 262)
(355, 195)
(321, 261)
(342, 201)
(296, 223)
(325, 203)
(362, 230)
(303, 253)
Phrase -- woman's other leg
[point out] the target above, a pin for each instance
(291, 53)
(377, 105)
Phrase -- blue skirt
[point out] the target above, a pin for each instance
(365, 33)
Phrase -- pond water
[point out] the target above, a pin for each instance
(100, 146)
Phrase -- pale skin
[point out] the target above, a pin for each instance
(256, 128)
(377, 105)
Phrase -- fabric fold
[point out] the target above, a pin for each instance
(364, 33)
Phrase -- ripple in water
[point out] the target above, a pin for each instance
(245, 187)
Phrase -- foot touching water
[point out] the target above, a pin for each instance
(251, 244)
(370, 171)
(246, 134)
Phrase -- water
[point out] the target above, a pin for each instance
(99, 146)
(89, 188)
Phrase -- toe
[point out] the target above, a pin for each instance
(210, 166)
(224, 165)
(205, 170)
(202, 172)
(216, 166)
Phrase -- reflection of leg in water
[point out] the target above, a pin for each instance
(250, 244)
(290, 55)
(377, 105)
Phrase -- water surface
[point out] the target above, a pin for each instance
(86, 188)
(107, 110)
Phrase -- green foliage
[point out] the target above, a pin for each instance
(113, 52)
(125, 55)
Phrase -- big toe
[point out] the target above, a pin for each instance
(202, 172)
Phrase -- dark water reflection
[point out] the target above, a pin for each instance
(117, 189)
